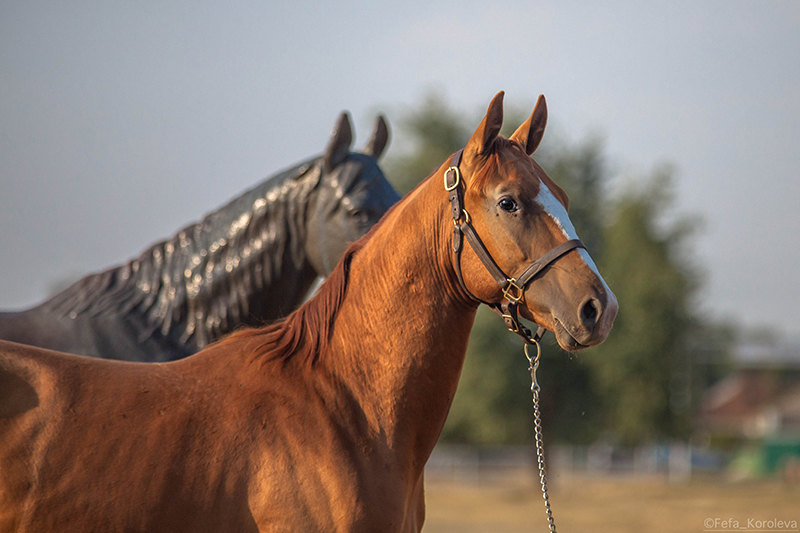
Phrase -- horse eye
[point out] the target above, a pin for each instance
(507, 204)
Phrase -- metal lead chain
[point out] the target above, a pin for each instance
(537, 426)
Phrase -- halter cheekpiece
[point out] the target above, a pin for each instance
(513, 288)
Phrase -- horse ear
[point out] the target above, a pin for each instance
(380, 136)
(339, 145)
(529, 135)
(483, 138)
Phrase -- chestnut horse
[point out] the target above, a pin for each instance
(324, 420)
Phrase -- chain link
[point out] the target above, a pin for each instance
(537, 426)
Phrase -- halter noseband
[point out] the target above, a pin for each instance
(513, 288)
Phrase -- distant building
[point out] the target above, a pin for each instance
(761, 398)
(758, 403)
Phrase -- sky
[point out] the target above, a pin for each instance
(122, 122)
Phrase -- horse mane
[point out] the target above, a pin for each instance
(196, 283)
(305, 333)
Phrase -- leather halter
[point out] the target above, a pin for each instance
(513, 288)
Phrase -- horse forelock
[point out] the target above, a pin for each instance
(491, 164)
(495, 161)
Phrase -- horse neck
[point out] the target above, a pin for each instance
(400, 337)
(241, 261)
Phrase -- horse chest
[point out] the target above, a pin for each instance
(315, 504)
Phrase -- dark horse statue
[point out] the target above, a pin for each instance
(247, 263)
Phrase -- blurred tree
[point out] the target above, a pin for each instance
(642, 372)
(636, 384)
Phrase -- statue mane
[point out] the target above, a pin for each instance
(197, 282)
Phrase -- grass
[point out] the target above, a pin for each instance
(617, 504)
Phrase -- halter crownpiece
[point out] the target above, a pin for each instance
(513, 288)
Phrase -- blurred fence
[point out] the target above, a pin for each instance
(676, 461)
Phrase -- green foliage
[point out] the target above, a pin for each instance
(640, 371)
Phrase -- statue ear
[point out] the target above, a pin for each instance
(483, 138)
(380, 136)
(339, 145)
(529, 135)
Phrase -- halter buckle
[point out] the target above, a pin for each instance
(457, 174)
(512, 324)
(513, 292)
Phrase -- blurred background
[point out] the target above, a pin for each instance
(673, 128)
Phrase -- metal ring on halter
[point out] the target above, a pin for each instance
(534, 361)
(456, 182)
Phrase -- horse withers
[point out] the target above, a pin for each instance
(247, 263)
(322, 421)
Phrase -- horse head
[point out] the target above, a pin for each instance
(521, 217)
(352, 194)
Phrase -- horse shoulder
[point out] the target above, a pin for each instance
(319, 465)
(28, 378)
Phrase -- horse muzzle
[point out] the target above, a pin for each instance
(589, 324)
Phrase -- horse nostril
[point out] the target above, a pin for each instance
(590, 312)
